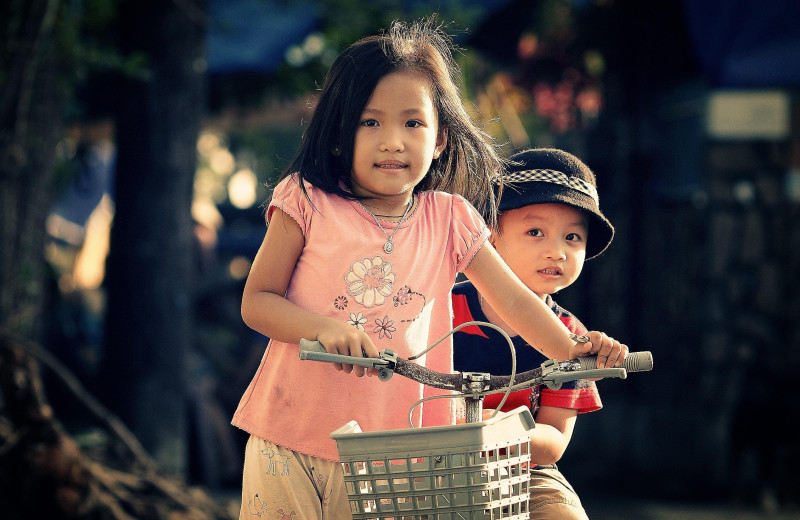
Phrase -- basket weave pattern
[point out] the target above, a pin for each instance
(462, 472)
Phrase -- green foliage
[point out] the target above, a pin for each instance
(343, 22)
(76, 27)
(84, 39)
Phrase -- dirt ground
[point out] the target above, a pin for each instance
(670, 511)
(598, 508)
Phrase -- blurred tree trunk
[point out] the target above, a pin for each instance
(34, 86)
(43, 473)
(150, 266)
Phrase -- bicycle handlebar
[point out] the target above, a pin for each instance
(634, 362)
(552, 373)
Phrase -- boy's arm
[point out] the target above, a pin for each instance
(266, 309)
(553, 431)
(528, 315)
(550, 436)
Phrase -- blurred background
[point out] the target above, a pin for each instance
(139, 140)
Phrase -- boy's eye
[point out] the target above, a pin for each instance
(574, 237)
(535, 232)
(369, 122)
(414, 124)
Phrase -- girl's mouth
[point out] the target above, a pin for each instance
(390, 165)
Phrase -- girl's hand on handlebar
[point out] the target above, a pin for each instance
(349, 341)
(610, 352)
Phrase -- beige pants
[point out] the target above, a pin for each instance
(552, 497)
(281, 484)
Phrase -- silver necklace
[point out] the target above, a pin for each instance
(388, 247)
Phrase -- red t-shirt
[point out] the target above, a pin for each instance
(483, 349)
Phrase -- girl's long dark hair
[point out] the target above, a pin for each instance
(469, 163)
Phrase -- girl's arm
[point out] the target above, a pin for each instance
(552, 434)
(529, 316)
(266, 309)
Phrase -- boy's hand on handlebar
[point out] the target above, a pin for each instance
(610, 352)
(349, 341)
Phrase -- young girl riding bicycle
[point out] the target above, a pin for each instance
(367, 232)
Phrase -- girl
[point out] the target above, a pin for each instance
(363, 245)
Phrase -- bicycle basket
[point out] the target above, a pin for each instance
(466, 471)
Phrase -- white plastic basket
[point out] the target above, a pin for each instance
(462, 472)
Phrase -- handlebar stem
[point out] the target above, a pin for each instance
(474, 384)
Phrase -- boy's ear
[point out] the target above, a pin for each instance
(494, 236)
(441, 143)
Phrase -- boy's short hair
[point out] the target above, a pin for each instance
(545, 175)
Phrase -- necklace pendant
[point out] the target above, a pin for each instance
(388, 246)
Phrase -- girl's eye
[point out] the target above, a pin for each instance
(535, 232)
(574, 237)
(369, 122)
(414, 124)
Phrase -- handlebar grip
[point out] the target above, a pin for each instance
(314, 351)
(635, 362)
(307, 345)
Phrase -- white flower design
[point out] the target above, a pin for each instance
(357, 320)
(370, 281)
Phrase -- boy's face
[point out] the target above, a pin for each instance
(544, 244)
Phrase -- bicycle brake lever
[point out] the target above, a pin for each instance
(556, 378)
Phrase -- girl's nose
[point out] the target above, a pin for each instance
(391, 141)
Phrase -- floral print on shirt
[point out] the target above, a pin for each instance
(385, 327)
(357, 320)
(370, 281)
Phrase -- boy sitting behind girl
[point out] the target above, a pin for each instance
(550, 222)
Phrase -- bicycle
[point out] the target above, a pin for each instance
(470, 471)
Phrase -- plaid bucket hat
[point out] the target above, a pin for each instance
(543, 175)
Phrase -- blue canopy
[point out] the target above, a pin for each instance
(746, 43)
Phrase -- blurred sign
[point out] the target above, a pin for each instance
(762, 114)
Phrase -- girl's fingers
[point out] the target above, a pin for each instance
(349, 342)
(618, 353)
(601, 346)
(360, 346)
(357, 350)
(613, 351)
(610, 352)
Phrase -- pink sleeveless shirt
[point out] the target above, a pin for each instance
(402, 300)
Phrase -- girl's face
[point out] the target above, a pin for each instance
(544, 244)
(397, 138)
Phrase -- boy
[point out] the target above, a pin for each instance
(550, 222)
